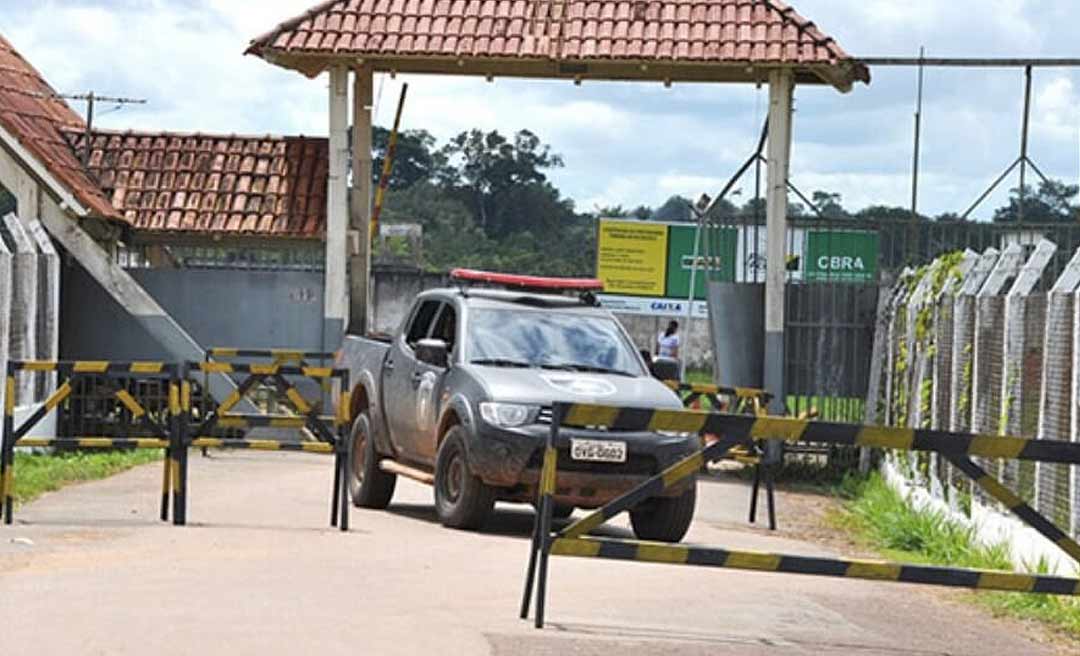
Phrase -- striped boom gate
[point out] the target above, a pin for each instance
(330, 431)
(152, 430)
(745, 431)
(175, 429)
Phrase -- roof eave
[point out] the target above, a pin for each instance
(841, 75)
(62, 194)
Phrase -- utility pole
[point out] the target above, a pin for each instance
(90, 98)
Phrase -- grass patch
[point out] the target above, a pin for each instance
(36, 474)
(885, 522)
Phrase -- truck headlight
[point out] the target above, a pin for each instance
(507, 415)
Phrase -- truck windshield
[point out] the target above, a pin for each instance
(549, 340)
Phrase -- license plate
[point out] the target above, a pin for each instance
(598, 450)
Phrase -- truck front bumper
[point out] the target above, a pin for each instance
(511, 459)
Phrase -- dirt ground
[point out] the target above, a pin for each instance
(89, 570)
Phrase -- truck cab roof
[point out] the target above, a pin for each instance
(494, 298)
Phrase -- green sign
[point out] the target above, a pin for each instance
(834, 255)
(719, 264)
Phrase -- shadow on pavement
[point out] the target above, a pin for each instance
(516, 523)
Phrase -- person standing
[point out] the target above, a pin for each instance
(667, 342)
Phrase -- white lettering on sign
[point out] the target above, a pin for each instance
(841, 263)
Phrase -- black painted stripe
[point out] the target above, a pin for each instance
(807, 565)
(618, 550)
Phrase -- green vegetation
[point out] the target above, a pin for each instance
(887, 523)
(36, 474)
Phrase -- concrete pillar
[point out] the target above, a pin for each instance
(360, 319)
(48, 305)
(336, 299)
(24, 297)
(5, 310)
(781, 90)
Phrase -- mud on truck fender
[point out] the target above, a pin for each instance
(364, 399)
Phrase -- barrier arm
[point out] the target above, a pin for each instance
(736, 429)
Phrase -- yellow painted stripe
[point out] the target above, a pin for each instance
(750, 560)
(1006, 581)
(58, 396)
(679, 421)
(992, 446)
(165, 471)
(9, 482)
(151, 443)
(318, 447)
(38, 365)
(232, 422)
(216, 367)
(263, 445)
(776, 428)
(174, 465)
(185, 395)
(548, 474)
(35, 441)
(344, 412)
(230, 401)
(673, 384)
(702, 388)
(130, 403)
(591, 415)
(9, 396)
(662, 553)
(585, 524)
(298, 401)
(749, 393)
(682, 470)
(224, 352)
(886, 438)
(862, 569)
(207, 443)
(317, 372)
(91, 367)
(1000, 492)
(147, 367)
(575, 547)
(265, 369)
(1069, 546)
(174, 399)
(287, 355)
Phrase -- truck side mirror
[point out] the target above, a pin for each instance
(433, 352)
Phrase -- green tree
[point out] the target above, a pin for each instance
(829, 204)
(675, 209)
(414, 158)
(1052, 202)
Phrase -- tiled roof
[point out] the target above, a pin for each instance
(760, 32)
(33, 114)
(213, 184)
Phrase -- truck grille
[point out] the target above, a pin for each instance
(547, 413)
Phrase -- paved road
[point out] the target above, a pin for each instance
(258, 572)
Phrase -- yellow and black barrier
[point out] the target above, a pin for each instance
(157, 430)
(331, 431)
(174, 429)
(732, 431)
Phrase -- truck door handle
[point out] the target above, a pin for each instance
(388, 365)
(416, 378)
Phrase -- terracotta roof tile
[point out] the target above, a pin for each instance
(212, 184)
(683, 31)
(31, 111)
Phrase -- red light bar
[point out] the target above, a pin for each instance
(528, 282)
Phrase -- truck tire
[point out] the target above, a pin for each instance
(665, 519)
(369, 486)
(462, 500)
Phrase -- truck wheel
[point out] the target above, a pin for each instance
(664, 519)
(369, 486)
(461, 499)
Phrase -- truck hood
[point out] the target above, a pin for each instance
(545, 387)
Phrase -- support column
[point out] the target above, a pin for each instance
(336, 299)
(24, 306)
(361, 310)
(781, 90)
(48, 307)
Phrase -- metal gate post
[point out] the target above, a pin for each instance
(344, 429)
(180, 458)
(7, 448)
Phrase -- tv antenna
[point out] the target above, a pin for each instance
(91, 98)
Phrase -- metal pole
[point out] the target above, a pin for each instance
(693, 290)
(89, 127)
(781, 89)
(1024, 144)
(918, 137)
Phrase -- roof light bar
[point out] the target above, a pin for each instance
(515, 281)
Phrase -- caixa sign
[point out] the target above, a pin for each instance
(667, 306)
(657, 307)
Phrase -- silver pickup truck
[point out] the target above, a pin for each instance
(461, 398)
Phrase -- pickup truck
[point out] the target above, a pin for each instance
(461, 398)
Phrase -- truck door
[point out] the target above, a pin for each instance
(402, 375)
(429, 384)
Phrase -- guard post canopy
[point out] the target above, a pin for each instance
(748, 41)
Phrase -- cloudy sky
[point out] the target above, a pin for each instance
(624, 144)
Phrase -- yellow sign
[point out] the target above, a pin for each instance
(632, 258)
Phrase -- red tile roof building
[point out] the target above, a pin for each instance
(565, 38)
(33, 114)
(200, 184)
